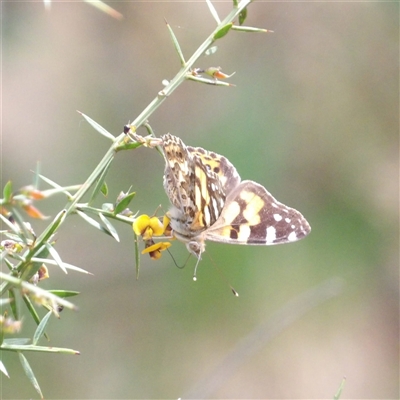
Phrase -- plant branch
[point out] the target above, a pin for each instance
(162, 95)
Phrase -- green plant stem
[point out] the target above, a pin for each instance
(108, 214)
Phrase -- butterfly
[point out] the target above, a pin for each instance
(211, 202)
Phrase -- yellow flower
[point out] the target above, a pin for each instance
(155, 249)
(147, 227)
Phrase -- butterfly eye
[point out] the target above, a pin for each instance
(216, 170)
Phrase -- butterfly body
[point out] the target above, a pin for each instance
(210, 202)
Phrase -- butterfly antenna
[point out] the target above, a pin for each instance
(195, 268)
(224, 278)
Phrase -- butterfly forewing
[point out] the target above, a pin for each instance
(208, 196)
(195, 190)
(219, 165)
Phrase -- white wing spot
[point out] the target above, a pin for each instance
(207, 215)
(274, 205)
(214, 206)
(277, 217)
(292, 237)
(244, 232)
(287, 220)
(293, 226)
(271, 234)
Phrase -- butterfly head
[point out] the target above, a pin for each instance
(194, 245)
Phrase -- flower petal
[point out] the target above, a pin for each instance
(140, 224)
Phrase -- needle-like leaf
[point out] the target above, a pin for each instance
(41, 327)
(213, 11)
(29, 373)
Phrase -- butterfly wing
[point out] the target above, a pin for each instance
(178, 173)
(252, 216)
(210, 203)
(219, 165)
(195, 191)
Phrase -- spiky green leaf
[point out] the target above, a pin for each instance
(64, 293)
(53, 252)
(339, 391)
(176, 44)
(93, 222)
(137, 255)
(12, 226)
(41, 327)
(50, 182)
(3, 369)
(9, 264)
(7, 192)
(100, 181)
(124, 203)
(32, 311)
(98, 127)
(9, 346)
(128, 146)
(66, 265)
(250, 29)
(223, 31)
(242, 16)
(213, 11)
(104, 189)
(13, 303)
(53, 226)
(110, 227)
(29, 373)
(213, 82)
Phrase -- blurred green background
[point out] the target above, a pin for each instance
(314, 117)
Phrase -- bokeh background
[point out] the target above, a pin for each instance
(314, 117)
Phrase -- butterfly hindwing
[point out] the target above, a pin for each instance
(253, 216)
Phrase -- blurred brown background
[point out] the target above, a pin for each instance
(313, 117)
